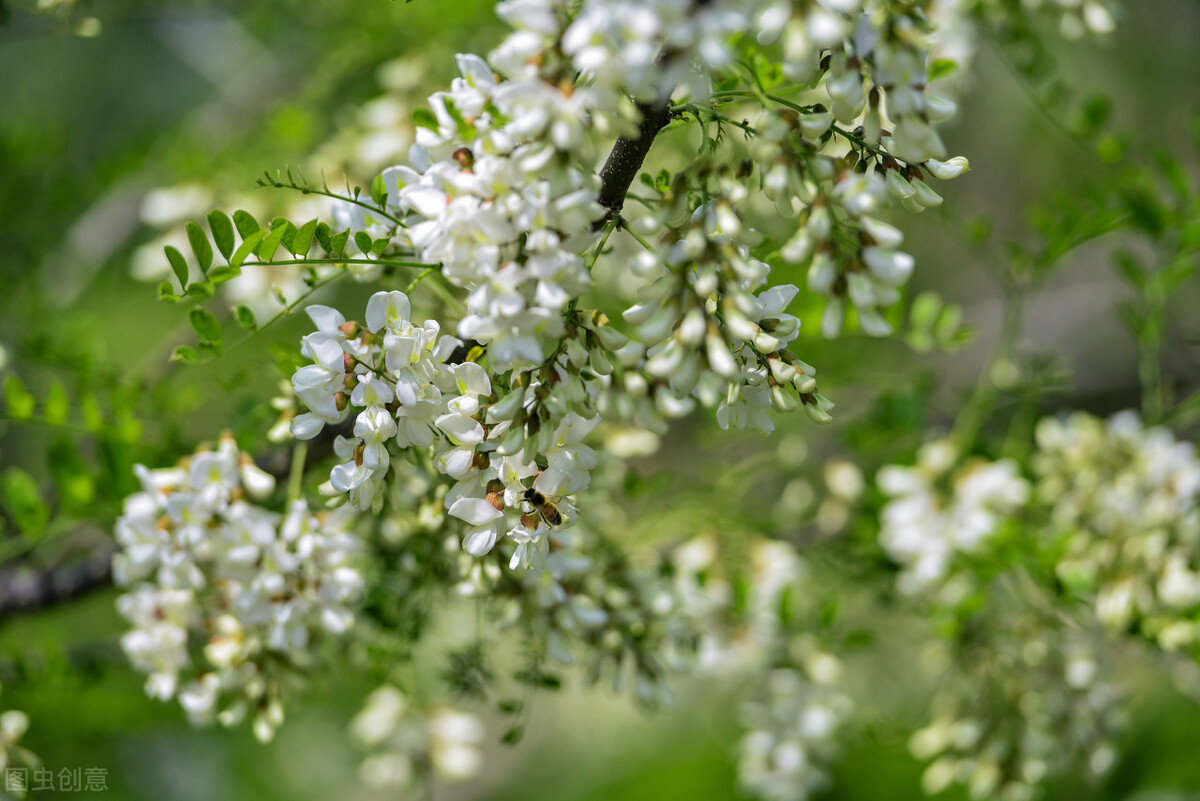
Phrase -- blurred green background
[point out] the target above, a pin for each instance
(213, 93)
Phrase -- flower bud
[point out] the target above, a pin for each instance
(805, 384)
(898, 187)
(947, 170)
(599, 362)
(719, 357)
(609, 337)
(927, 197)
(782, 400)
(817, 414)
(814, 125)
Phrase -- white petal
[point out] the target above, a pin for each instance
(475, 511)
(326, 351)
(326, 318)
(384, 307)
(460, 429)
(472, 379)
(306, 426)
(480, 541)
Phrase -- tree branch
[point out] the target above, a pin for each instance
(628, 154)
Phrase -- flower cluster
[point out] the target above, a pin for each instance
(798, 704)
(791, 730)
(941, 507)
(496, 196)
(1028, 703)
(617, 620)
(870, 61)
(396, 374)
(402, 740)
(222, 592)
(1121, 501)
(710, 337)
(13, 725)
(792, 726)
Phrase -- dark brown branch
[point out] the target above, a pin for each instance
(26, 589)
(628, 154)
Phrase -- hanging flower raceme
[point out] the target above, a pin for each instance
(1121, 507)
(221, 592)
(394, 375)
(941, 508)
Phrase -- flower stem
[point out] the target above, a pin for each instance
(296, 472)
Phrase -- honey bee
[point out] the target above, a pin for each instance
(546, 506)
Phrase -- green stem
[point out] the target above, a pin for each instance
(424, 273)
(1149, 356)
(983, 400)
(307, 190)
(288, 309)
(67, 425)
(716, 115)
(609, 227)
(384, 262)
(649, 248)
(296, 472)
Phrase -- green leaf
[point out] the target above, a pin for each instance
(1093, 115)
(245, 222)
(206, 324)
(222, 231)
(246, 248)
(166, 291)
(424, 118)
(75, 485)
(858, 638)
(925, 310)
(339, 244)
(513, 735)
(363, 240)
(948, 321)
(20, 402)
(322, 234)
(24, 503)
(466, 131)
(1130, 268)
(289, 231)
(220, 275)
(379, 191)
(201, 289)
(302, 241)
(1173, 172)
(185, 354)
(1146, 211)
(179, 264)
(1176, 275)
(380, 245)
(270, 243)
(942, 68)
(200, 246)
(245, 318)
(57, 406)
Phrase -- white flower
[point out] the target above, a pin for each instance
(922, 528)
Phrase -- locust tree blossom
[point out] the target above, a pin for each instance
(219, 591)
(1030, 702)
(402, 739)
(15, 759)
(939, 508)
(472, 435)
(1121, 502)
